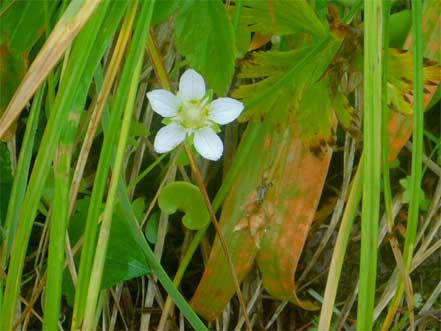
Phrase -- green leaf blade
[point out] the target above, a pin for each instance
(204, 35)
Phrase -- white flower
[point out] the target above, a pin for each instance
(190, 113)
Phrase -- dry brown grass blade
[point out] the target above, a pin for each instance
(73, 19)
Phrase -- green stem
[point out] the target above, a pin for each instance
(171, 289)
(372, 160)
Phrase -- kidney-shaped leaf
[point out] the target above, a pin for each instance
(185, 197)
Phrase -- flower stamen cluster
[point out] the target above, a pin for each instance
(191, 114)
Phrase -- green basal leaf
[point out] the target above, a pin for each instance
(243, 39)
(281, 17)
(185, 197)
(399, 26)
(16, 41)
(346, 114)
(314, 119)
(125, 259)
(151, 228)
(182, 159)
(138, 129)
(400, 79)
(163, 10)
(405, 183)
(286, 80)
(204, 35)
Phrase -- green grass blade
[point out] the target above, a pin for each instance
(340, 249)
(21, 175)
(87, 254)
(58, 224)
(372, 160)
(19, 184)
(418, 132)
(417, 153)
(64, 99)
(100, 255)
(385, 110)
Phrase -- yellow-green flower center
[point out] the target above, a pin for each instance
(193, 114)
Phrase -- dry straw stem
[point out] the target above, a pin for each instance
(67, 28)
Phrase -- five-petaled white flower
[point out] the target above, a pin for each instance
(190, 114)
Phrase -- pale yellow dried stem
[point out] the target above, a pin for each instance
(67, 28)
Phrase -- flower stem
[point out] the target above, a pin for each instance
(200, 183)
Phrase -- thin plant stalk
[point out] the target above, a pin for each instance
(372, 129)
(417, 137)
(161, 73)
(200, 183)
(385, 109)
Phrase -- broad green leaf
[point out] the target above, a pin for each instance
(405, 183)
(76, 15)
(286, 80)
(204, 35)
(126, 258)
(16, 41)
(400, 77)
(399, 26)
(151, 228)
(281, 17)
(346, 114)
(138, 129)
(242, 241)
(163, 10)
(185, 197)
(243, 39)
(299, 182)
(315, 104)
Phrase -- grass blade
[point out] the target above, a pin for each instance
(64, 100)
(417, 137)
(372, 161)
(75, 16)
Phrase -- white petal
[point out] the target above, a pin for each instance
(208, 144)
(225, 110)
(168, 138)
(191, 85)
(164, 102)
